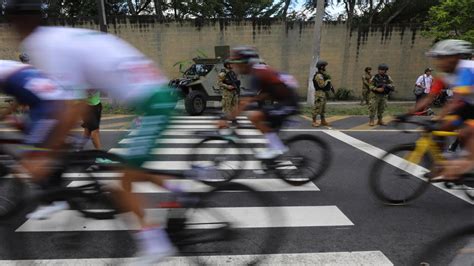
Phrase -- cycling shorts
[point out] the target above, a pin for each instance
(277, 113)
(460, 116)
(154, 113)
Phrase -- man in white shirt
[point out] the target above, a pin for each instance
(425, 81)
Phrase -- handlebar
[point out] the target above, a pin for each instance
(427, 125)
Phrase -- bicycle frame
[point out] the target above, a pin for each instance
(426, 144)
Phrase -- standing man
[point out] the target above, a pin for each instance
(322, 86)
(424, 82)
(380, 87)
(366, 86)
(91, 119)
(229, 85)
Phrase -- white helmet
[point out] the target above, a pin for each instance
(450, 47)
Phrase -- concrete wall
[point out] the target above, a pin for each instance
(286, 46)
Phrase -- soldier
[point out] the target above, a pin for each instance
(366, 86)
(229, 85)
(322, 86)
(380, 87)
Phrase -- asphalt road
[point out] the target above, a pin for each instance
(367, 232)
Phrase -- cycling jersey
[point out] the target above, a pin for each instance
(280, 88)
(464, 85)
(79, 59)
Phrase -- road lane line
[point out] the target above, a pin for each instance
(396, 161)
(197, 140)
(186, 165)
(376, 258)
(300, 259)
(241, 217)
(201, 151)
(260, 184)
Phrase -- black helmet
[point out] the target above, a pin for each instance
(23, 7)
(321, 63)
(24, 58)
(383, 67)
(243, 55)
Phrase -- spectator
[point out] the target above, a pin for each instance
(91, 119)
(423, 84)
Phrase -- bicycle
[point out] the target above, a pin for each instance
(308, 158)
(197, 222)
(410, 181)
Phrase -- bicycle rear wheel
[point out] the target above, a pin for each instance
(308, 159)
(395, 184)
(214, 230)
(217, 160)
(96, 167)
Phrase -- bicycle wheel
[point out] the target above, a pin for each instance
(217, 160)
(393, 183)
(308, 159)
(214, 230)
(95, 199)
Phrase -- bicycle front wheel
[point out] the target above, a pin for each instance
(214, 230)
(217, 160)
(308, 159)
(392, 179)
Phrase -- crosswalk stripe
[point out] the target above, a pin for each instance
(263, 185)
(299, 259)
(241, 217)
(210, 122)
(202, 151)
(192, 132)
(196, 141)
(195, 127)
(202, 117)
(186, 165)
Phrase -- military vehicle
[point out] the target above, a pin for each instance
(199, 84)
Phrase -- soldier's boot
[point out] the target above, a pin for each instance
(372, 122)
(380, 122)
(324, 123)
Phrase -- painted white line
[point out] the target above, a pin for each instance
(210, 122)
(191, 132)
(203, 117)
(375, 258)
(193, 127)
(186, 165)
(98, 175)
(241, 217)
(263, 185)
(197, 140)
(201, 151)
(396, 161)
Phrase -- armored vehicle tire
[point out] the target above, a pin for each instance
(195, 103)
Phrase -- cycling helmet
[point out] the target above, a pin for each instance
(450, 47)
(244, 55)
(321, 63)
(383, 67)
(24, 58)
(23, 7)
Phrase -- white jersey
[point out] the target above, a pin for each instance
(80, 59)
(8, 67)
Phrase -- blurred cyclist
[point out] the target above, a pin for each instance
(272, 86)
(79, 59)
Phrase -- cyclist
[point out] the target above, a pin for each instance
(44, 99)
(272, 86)
(79, 59)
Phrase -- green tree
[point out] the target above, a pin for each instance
(451, 19)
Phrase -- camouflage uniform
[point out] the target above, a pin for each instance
(229, 92)
(365, 88)
(378, 100)
(322, 84)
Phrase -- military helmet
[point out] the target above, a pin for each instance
(450, 47)
(383, 67)
(321, 63)
(23, 7)
(244, 55)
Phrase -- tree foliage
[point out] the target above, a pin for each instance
(451, 19)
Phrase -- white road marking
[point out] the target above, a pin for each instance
(201, 151)
(196, 141)
(202, 117)
(375, 258)
(396, 161)
(241, 217)
(210, 122)
(263, 185)
(186, 165)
